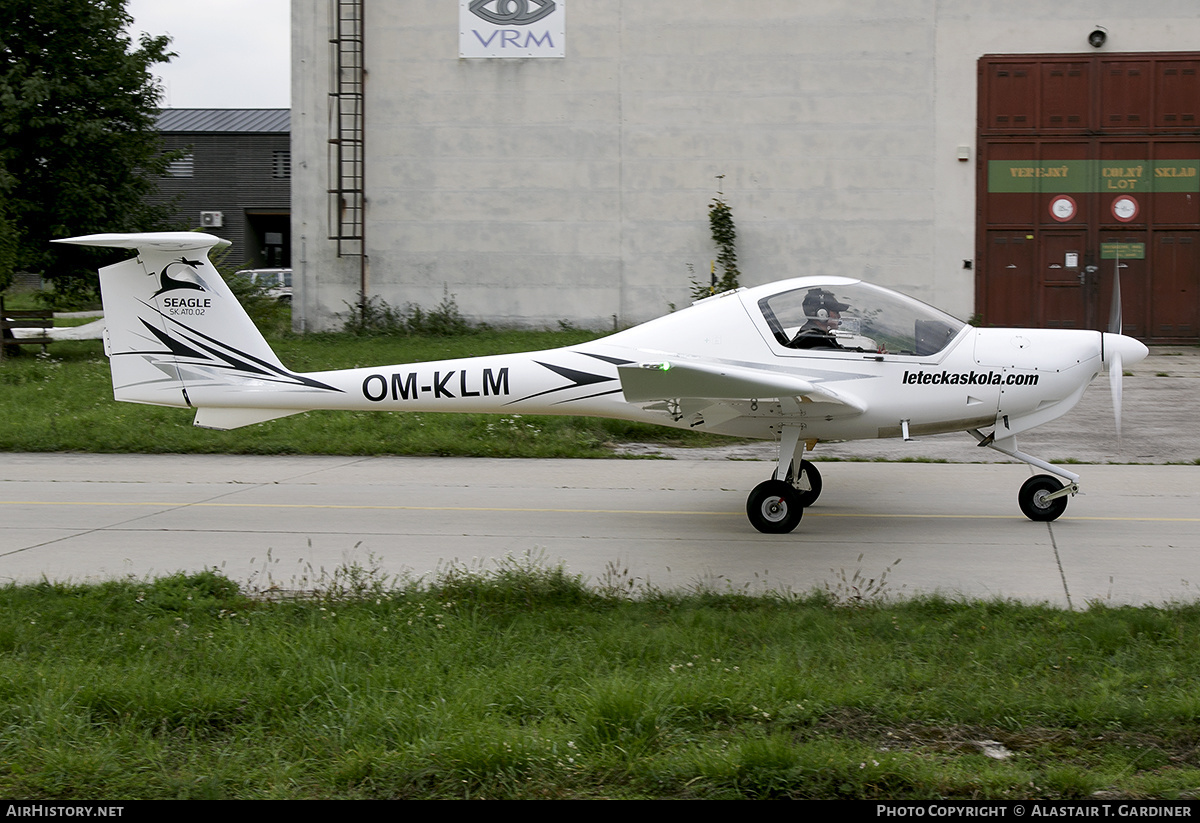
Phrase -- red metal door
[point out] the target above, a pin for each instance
(1173, 311)
(1087, 157)
(1124, 251)
(1062, 287)
(1010, 277)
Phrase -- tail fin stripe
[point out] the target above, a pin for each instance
(221, 351)
(176, 347)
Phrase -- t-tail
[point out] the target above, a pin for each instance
(175, 334)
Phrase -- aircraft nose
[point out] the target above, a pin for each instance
(1131, 351)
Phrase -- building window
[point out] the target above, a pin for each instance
(281, 166)
(182, 167)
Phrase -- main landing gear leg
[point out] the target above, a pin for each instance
(1042, 497)
(776, 505)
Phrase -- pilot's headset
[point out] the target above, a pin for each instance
(817, 302)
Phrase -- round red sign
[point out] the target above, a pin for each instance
(1125, 208)
(1062, 208)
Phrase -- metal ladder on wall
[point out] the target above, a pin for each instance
(347, 200)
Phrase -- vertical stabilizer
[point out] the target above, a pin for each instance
(175, 332)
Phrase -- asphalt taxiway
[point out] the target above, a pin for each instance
(1132, 537)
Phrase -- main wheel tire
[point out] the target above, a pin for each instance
(809, 471)
(774, 507)
(1032, 498)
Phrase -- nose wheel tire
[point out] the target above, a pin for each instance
(1034, 504)
(774, 507)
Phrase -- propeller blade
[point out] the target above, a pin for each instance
(1115, 373)
(1114, 313)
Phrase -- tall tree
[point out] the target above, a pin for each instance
(8, 232)
(79, 149)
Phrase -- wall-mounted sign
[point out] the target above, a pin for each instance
(1122, 251)
(1062, 208)
(1110, 176)
(512, 28)
(1125, 208)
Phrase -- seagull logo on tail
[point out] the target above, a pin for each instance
(168, 283)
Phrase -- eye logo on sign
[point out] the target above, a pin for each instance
(512, 28)
(512, 12)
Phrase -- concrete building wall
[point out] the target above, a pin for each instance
(538, 190)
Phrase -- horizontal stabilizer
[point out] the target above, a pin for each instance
(163, 241)
(216, 417)
(667, 380)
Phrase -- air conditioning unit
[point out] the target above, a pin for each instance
(212, 219)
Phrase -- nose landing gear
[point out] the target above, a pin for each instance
(1042, 497)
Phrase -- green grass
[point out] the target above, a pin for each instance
(522, 682)
(22, 300)
(64, 403)
(28, 300)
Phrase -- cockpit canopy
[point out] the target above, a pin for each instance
(856, 316)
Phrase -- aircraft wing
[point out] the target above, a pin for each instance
(666, 380)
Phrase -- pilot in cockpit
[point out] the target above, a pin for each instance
(823, 313)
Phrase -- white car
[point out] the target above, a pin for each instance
(278, 282)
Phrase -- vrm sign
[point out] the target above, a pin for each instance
(512, 28)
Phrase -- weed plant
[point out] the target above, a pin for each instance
(373, 316)
(520, 681)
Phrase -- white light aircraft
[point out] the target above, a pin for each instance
(799, 361)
